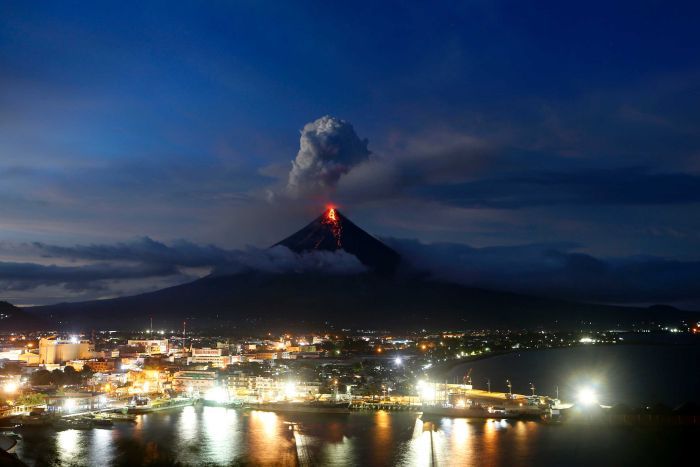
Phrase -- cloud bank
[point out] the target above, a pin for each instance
(558, 270)
(85, 272)
(561, 270)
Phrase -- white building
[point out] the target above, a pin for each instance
(56, 351)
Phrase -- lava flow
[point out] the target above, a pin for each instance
(334, 223)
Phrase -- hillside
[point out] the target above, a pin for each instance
(254, 300)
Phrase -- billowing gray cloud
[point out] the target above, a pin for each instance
(328, 149)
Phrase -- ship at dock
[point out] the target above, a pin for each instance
(141, 405)
(302, 407)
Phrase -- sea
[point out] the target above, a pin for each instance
(202, 435)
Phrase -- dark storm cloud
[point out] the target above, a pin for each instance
(624, 186)
(558, 270)
(24, 276)
(180, 253)
(150, 260)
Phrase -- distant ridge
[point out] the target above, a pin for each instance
(15, 318)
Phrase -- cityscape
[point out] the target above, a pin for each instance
(349, 234)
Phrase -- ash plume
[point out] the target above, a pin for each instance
(328, 149)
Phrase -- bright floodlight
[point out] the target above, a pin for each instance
(398, 361)
(587, 396)
(290, 390)
(73, 340)
(217, 394)
(10, 387)
(69, 405)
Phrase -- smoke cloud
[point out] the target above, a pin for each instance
(328, 149)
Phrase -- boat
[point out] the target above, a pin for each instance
(73, 424)
(119, 417)
(102, 423)
(302, 407)
(35, 422)
(159, 404)
(456, 412)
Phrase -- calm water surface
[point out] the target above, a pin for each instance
(219, 436)
(633, 374)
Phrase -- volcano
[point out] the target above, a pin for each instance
(380, 297)
(333, 231)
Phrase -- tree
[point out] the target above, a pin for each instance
(86, 373)
(35, 398)
(11, 368)
(70, 376)
(41, 378)
(57, 377)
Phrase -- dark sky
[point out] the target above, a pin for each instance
(550, 147)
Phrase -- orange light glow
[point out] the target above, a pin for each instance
(334, 222)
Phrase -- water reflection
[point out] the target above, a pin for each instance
(187, 423)
(219, 436)
(69, 446)
(101, 447)
(382, 436)
(222, 434)
(269, 440)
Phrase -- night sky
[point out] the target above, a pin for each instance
(540, 147)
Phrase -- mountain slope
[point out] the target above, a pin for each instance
(332, 231)
(285, 301)
(13, 318)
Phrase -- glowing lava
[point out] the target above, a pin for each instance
(334, 223)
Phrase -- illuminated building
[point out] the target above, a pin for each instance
(194, 381)
(258, 388)
(214, 357)
(151, 346)
(75, 402)
(101, 366)
(56, 351)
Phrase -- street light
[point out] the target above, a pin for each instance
(532, 388)
(510, 387)
(488, 384)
